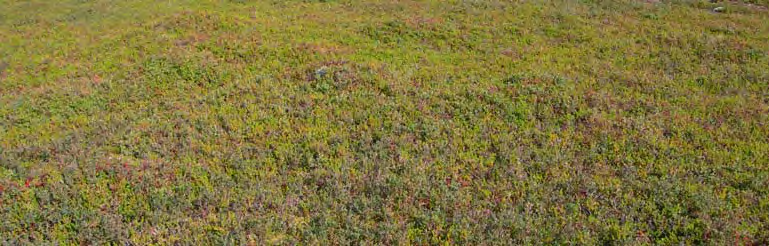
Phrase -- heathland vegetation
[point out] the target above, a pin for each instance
(384, 122)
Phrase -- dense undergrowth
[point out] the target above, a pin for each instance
(393, 122)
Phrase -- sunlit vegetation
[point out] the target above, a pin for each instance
(384, 122)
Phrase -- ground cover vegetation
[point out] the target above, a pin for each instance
(384, 122)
